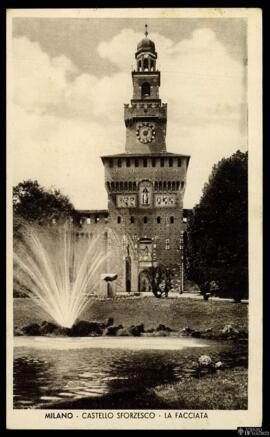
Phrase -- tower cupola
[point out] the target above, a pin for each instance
(146, 54)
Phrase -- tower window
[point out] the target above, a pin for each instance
(167, 244)
(145, 64)
(173, 186)
(161, 162)
(170, 162)
(128, 162)
(145, 89)
(179, 162)
(118, 219)
(130, 186)
(121, 186)
(171, 219)
(97, 218)
(116, 186)
(125, 186)
(158, 219)
(112, 186)
(131, 219)
(153, 162)
(145, 162)
(110, 163)
(136, 163)
(156, 186)
(134, 186)
(145, 219)
(119, 162)
(182, 185)
(177, 185)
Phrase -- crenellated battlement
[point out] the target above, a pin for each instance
(154, 110)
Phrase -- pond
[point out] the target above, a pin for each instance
(112, 372)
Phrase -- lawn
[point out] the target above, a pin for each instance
(227, 389)
(175, 313)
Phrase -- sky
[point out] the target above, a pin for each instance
(72, 76)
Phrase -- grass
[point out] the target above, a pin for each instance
(175, 313)
(224, 390)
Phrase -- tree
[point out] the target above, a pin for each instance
(160, 279)
(34, 204)
(218, 231)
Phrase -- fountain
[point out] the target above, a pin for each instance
(58, 270)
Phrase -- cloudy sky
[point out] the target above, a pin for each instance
(71, 78)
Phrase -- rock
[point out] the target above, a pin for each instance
(17, 331)
(61, 331)
(243, 334)
(32, 329)
(186, 331)
(123, 332)
(219, 365)
(229, 329)
(205, 360)
(48, 328)
(84, 328)
(164, 328)
(109, 322)
(112, 330)
(162, 334)
(196, 334)
(136, 330)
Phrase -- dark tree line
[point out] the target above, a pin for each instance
(217, 252)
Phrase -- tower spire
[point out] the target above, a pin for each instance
(146, 31)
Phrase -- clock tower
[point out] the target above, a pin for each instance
(145, 116)
(145, 183)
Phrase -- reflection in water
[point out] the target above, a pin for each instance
(44, 377)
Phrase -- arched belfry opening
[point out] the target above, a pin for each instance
(146, 90)
(145, 64)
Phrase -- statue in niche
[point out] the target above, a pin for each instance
(145, 196)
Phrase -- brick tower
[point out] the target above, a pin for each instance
(146, 184)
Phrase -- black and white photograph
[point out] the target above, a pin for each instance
(135, 218)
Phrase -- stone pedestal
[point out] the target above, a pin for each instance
(107, 286)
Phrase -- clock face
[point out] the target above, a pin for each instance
(165, 200)
(145, 132)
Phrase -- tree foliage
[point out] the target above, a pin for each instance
(160, 279)
(218, 231)
(33, 203)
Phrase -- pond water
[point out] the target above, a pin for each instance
(101, 372)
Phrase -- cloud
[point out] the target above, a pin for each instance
(63, 120)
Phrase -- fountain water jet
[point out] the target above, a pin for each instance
(58, 270)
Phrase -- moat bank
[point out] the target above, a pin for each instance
(150, 311)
